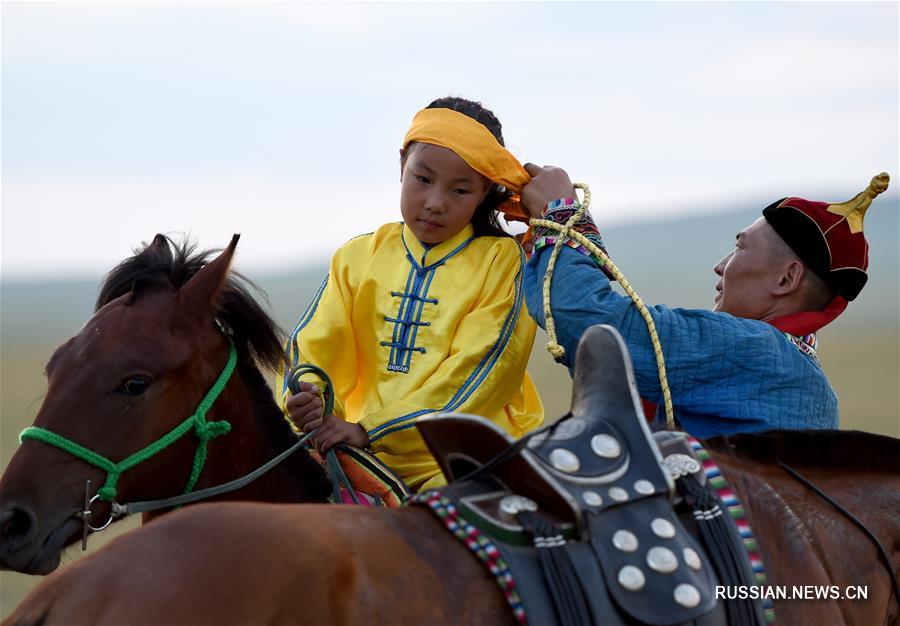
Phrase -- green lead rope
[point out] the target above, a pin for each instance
(204, 430)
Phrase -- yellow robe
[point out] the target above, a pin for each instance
(404, 331)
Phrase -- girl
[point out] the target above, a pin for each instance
(426, 315)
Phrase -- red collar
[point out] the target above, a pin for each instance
(806, 322)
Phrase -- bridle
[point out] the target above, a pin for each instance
(205, 432)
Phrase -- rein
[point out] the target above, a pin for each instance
(878, 545)
(333, 466)
(146, 506)
(568, 230)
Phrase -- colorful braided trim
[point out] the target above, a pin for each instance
(560, 211)
(806, 344)
(479, 544)
(738, 515)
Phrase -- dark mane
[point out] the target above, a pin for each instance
(850, 450)
(164, 264)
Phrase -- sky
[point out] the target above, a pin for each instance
(283, 121)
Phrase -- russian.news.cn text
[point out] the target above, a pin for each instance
(792, 592)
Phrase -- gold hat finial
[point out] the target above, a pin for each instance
(855, 209)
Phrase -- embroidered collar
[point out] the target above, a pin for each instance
(805, 343)
(437, 253)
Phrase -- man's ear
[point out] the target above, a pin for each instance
(403, 155)
(791, 278)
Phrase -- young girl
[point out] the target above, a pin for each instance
(426, 315)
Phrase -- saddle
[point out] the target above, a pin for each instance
(586, 512)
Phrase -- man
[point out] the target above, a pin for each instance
(748, 365)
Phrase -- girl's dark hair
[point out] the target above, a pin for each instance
(485, 219)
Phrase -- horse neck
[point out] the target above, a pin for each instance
(258, 433)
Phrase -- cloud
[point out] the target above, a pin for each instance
(216, 117)
(803, 67)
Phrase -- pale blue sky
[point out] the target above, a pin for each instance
(282, 121)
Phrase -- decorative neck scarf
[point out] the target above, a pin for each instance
(808, 322)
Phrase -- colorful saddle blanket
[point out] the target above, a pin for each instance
(358, 477)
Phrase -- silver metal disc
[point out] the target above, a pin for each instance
(662, 528)
(631, 578)
(510, 505)
(662, 560)
(564, 460)
(692, 559)
(606, 446)
(625, 540)
(687, 595)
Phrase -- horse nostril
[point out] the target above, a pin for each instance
(15, 525)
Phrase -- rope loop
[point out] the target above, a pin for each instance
(556, 351)
(108, 491)
(567, 231)
(210, 430)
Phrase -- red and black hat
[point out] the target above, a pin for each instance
(829, 237)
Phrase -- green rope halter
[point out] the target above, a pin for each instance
(204, 430)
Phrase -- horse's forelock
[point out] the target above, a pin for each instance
(165, 264)
(161, 264)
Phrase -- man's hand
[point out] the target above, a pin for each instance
(548, 183)
(334, 430)
(305, 407)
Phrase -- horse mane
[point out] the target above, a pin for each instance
(850, 450)
(164, 264)
(308, 475)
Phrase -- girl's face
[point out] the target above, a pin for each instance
(439, 192)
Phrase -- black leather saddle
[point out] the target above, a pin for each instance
(594, 491)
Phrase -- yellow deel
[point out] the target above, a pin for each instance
(405, 331)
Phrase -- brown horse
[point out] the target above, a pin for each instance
(137, 369)
(311, 564)
(143, 363)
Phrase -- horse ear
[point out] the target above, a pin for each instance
(199, 295)
(160, 242)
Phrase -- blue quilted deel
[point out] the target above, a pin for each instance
(726, 374)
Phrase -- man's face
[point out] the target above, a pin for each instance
(749, 273)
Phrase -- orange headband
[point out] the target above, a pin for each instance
(476, 145)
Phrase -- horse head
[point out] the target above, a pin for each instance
(136, 396)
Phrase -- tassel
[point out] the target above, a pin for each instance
(563, 585)
(717, 540)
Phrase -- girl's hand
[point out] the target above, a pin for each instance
(547, 184)
(305, 407)
(334, 430)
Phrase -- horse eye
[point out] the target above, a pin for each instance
(134, 386)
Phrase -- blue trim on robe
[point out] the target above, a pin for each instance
(480, 372)
(294, 353)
